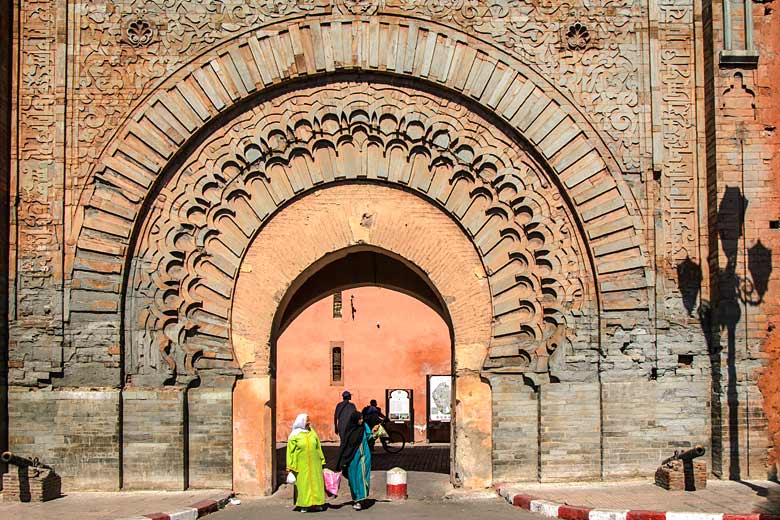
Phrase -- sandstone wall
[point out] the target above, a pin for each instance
(743, 196)
(766, 319)
(6, 44)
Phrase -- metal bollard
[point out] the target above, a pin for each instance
(396, 484)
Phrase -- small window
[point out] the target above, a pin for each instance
(685, 360)
(337, 305)
(336, 363)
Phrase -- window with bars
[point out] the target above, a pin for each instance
(336, 363)
(337, 304)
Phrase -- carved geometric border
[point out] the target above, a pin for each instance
(602, 202)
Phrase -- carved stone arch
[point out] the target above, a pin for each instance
(557, 134)
(199, 239)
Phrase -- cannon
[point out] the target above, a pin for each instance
(687, 455)
(21, 462)
(32, 482)
(681, 472)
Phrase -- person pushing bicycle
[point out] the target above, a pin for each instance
(372, 415)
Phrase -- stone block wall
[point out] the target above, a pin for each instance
(76, 431)
(619, 429)
(692, 145)
(153, 439)
(570, 432)
(515, 429)
(743, 188)
(210, 435)
(631, 447)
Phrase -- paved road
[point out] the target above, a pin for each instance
(487, 509)
(430, 496)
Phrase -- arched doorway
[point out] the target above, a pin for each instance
(378, 230)
(192, 316)
(363, 320)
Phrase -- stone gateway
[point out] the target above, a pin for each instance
(585, 191)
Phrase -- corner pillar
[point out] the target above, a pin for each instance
(253, 436)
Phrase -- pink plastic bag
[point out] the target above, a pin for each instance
(332, 482)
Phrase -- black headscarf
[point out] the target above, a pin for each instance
(351, 442)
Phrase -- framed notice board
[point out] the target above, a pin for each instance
(399, 403)
(439, 400)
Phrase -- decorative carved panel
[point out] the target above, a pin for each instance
(36, 353)
(599, 72)
(183, 108)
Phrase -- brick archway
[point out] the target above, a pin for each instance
(213, 158)
(187, 319)
(323, 225)
(183, 107)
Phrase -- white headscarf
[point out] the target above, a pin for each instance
(299, 425)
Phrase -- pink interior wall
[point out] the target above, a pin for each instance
(410, 342)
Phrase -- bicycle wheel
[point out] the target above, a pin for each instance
(394, 442)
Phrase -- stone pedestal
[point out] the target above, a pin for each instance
(31, 485)
(679, 475)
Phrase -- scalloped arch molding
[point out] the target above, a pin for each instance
(183, 107)
(189, 252)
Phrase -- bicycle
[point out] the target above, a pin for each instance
(395, 440)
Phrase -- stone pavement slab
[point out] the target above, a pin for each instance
(719, 496)
(107, 506)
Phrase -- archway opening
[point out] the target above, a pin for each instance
(306, 236)
(365, 321)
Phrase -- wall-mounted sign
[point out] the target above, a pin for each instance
(440, 398)
(399, 405)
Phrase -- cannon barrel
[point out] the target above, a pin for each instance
(691, 454)
(10, 458)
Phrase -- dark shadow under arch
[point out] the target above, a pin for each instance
(352, 267)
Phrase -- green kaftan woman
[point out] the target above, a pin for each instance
(305, 460)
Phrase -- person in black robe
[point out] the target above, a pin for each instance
(341, 416)
(354, 460)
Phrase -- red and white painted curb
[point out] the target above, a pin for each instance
(567, 512)
(196, 510)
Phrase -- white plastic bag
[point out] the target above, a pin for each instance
(291, 478)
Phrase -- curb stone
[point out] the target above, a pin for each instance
(568, 512)
(196, 510)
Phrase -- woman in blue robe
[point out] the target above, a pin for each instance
(355, 459)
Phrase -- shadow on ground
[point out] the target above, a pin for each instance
(427, 466)
(770, 491)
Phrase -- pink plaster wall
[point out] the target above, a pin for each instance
(411, 342)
